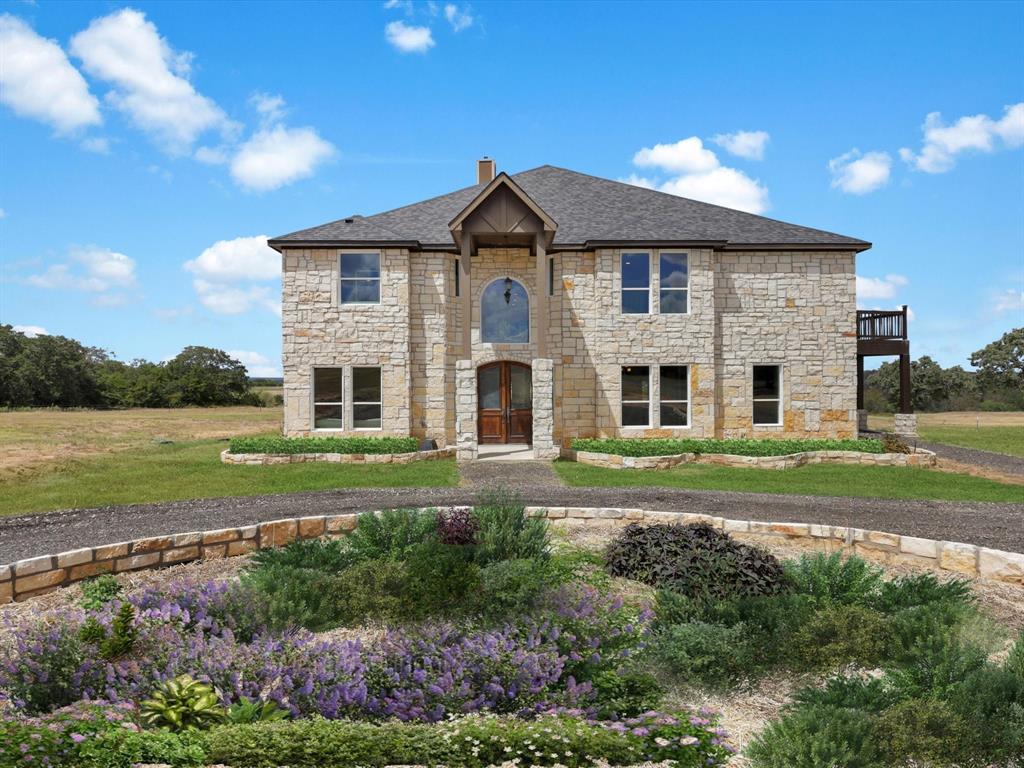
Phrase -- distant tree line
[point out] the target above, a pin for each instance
(996, 385)
(57, 371)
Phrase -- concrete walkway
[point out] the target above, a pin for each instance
(1000, 526)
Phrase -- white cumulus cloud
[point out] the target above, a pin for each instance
(695, 172)
(1009, 300)
(408, 38)
(257, 365)
(459, 18)
(38, 81)
(91, 268)
(746, 144)
(228, 276)
(31, 330)
(275, 156)
(858, 173)
(270, 107)
(979, 133)
(879, 287)
(149, 79)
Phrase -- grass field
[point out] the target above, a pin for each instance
(999, 432)
(815, 480)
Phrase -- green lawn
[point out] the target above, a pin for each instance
(819, 479)
(192, 470)
(999, 439)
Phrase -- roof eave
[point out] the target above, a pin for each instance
(857, 246)
(279, 245)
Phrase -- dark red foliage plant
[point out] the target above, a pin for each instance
(456, 526)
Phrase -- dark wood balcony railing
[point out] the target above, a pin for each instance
(882, 324)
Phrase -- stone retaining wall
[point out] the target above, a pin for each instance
(256, 459)
(920, 458)
(39, 575)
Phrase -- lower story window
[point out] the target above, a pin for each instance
(636, 396)
(674, 404)
(366, 398)
(767, 394)
(328, 406)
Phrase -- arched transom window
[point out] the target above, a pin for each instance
(505, 313)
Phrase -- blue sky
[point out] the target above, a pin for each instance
(145, 148)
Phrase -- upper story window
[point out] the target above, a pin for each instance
(505, 313)
(328, 398)
(636, 396)
(767, 395)
(636, 283)
(360, 278)
(675, 282)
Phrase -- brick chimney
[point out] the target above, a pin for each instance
(485, 170)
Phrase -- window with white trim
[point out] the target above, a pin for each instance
(767, 389)
(674, 398)
(636, 396)
(360, 278)
(366, 398)
(636, 283)
(674, 284)
(328, 398)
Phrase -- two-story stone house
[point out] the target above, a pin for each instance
(550, 304)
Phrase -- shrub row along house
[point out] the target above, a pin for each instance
(549, 305)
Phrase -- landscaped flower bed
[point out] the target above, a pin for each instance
(667, 447)
(293, 445)
(503, 644)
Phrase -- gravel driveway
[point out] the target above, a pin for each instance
(1000, 462)
(994, 525)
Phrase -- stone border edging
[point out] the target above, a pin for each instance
(39, 575)
(264, 459)
(920, 458)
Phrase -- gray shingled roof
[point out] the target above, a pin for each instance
(587, 209)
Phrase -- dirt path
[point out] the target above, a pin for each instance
(1000, 526)
(996, 464)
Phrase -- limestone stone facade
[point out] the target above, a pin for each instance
(794, 309)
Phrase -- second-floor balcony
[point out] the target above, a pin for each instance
(882, 332)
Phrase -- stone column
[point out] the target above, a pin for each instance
(905, 424)
(544, 409)
(465, 411)
(862, 420)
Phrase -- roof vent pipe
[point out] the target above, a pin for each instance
(484, 170)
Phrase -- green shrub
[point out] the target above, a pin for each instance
(247, 711)
(931, 659)
(920, 589)
(324, 445)
(505, 532)
(712, 655)
(835, 579)
(841, 634)
(990, 699)
(873, 695)
(1015, 660)
(440, 578)
(512, 586)
(121, 638)
(294, 597)
(376, 589)
(121, 748)
(696, 560)
(643, 446)
(329, 555)
(182, 704)
(925, 730)
(819, 737)
(391, 534)
(98, 591)
(622, 693)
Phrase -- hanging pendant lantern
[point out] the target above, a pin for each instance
(508, 290)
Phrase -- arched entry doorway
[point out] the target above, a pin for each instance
(505, 402)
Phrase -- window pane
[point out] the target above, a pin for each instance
(636, 270)
(766, 412)
(505, 322)
(521, 386)
(673, 382)
(634, 415)
(360, 291)
(551, 277)
(766, 381)
(366, 417)
(635, 382)
(360, 265)
(635, 302)
(490, 387)
(673, 303)
(673, 270)
(327, 385)
(327, 417)
(457, 287)
(673, 414)
(366, 385)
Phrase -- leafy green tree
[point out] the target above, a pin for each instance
(54, 370)
(204, 376)
(930, 386)
(1001, 363)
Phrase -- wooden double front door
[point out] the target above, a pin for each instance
(505, 400)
